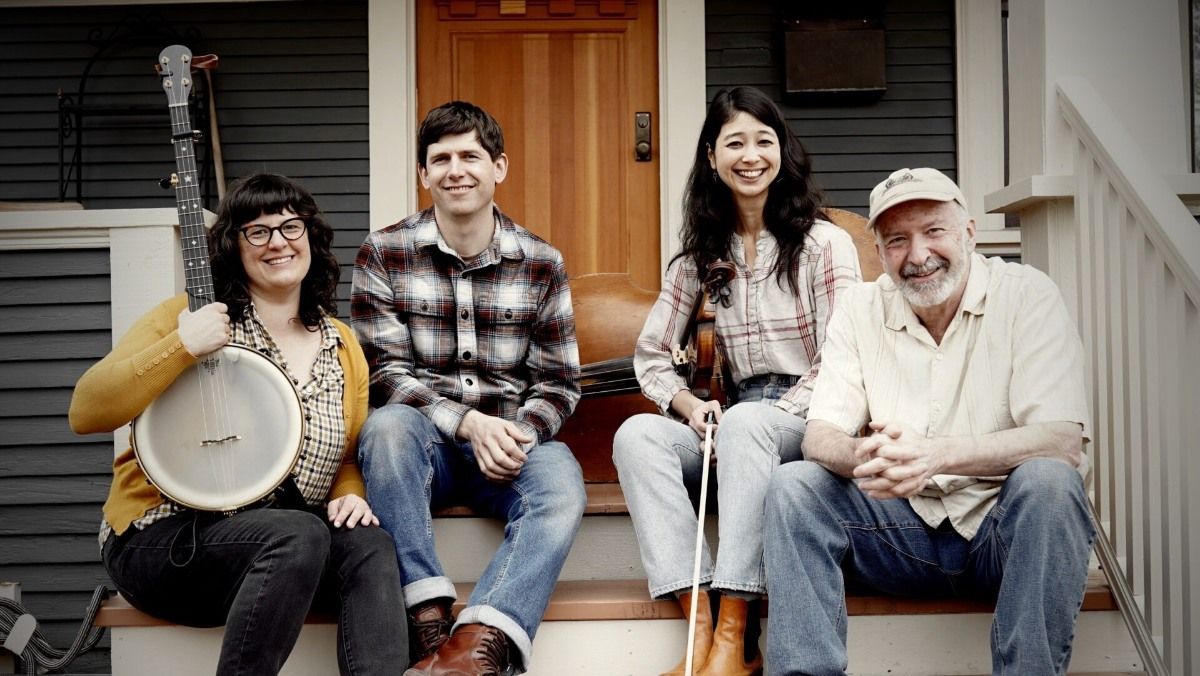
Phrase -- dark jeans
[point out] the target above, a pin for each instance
(258, 572)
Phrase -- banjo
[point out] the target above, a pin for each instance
(228, 431)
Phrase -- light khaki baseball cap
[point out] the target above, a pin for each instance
(905, 185)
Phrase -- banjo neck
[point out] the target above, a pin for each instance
(175, 67)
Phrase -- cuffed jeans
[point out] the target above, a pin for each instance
(659, 462)
(410, 466)
(1030, 555)
(258, 573)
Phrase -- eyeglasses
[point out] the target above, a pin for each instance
(259, 235)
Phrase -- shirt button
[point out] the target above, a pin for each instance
(424, 306)
(139, 372)
(164, 355)
(508, 314)
(467, 354)
(466, 314)
(939, 356)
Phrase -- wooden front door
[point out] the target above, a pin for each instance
(565, 79)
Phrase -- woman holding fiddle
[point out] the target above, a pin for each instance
(259, 570)
(750, 201)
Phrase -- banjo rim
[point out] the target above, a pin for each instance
(230, 506)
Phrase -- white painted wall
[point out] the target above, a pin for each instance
(1130, 51)
(979, 84)
(392, 62)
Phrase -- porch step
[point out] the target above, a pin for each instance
(607, 628)
(601, 620)
(585, 600)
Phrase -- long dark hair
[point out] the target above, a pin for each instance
(793, 199)
(248, 199)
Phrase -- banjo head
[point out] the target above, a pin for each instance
(220, 438)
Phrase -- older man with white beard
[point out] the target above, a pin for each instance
(944, 452)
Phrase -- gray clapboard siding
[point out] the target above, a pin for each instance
(52, 481)
(291, 93)
(853, 146)
(60, 373)
(30, 402)
(93, 457)
(54, 490)
(70, 575)
(51, 519)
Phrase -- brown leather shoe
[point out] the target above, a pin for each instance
(473, 650)
(429, 625)
(727, 657)
(704, 633)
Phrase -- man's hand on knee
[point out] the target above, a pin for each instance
(497, 444)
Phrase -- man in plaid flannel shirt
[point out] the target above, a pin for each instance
(466, 321)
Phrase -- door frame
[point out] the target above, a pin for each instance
(682, 79)
(393, 120)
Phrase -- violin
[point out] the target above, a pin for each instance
(696, 358)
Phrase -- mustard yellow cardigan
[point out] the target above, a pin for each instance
(146, 361)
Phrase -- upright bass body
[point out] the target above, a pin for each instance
(224, 435)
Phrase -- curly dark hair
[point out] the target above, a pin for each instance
(248, 199)
(793, 200)
(459, 117)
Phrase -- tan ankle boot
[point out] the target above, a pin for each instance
(727, 657)
(704, 633)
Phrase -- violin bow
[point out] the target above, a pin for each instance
(709, 420)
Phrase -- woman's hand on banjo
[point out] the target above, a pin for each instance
(350, 511)
(205, 330)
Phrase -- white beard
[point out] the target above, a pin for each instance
(934, 292)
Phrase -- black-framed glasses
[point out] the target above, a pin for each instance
(259, 235)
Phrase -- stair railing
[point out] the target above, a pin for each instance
(1131, 256)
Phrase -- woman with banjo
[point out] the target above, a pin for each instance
(254, 568)
(750, 202)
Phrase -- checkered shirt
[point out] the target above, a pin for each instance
(766, 328)
(494, 333)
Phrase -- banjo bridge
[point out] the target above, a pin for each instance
(214, 442)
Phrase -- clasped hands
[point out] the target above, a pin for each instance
(894, 461)
(498, 445)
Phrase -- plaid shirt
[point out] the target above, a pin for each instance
(325, 426)
(766, 329)
(494, 333)
(321, 397)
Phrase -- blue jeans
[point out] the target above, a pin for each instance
(1030, 555)
(411, 467)
(659, 462)
(258, 572)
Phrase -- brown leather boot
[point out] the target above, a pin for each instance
(473, 650)
(727, 657)
(429, 625)
(704, 633)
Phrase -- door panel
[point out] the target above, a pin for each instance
(564, 79)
